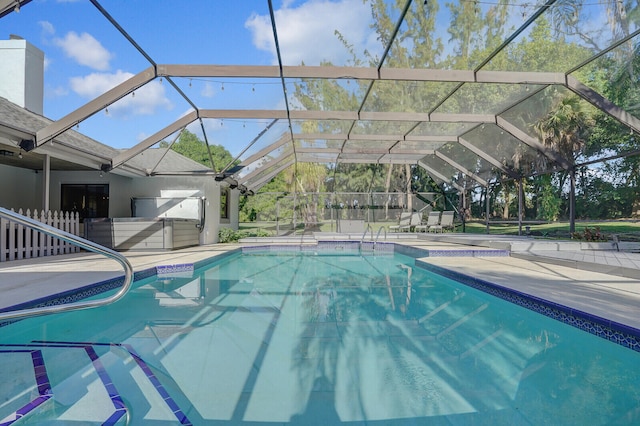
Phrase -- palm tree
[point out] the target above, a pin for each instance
(565, 129)
(307, 179)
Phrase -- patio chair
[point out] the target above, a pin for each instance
(415, 219)
(446, 222)
(432, 220)
(405, 219)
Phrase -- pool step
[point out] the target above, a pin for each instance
(79, 382)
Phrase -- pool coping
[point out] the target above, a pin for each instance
(613, 331)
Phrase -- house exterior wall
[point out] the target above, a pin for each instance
(119, 189)
(22, 188)
(15, 193)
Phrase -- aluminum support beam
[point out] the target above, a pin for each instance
(65, 123)
(497, 164)
(153, 139)
(440, 176)
(462, 118)
(9, 6)
(345, 115)
(266, 178)
(359, 73)
(259, 170)
(463, 169)
(243, 113)
(191, 173)
(532, 142)
(266, 150)
(603, 104)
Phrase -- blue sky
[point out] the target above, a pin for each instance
(85, 56)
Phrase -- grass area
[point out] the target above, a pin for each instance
(627, 230)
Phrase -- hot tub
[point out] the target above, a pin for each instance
(139, 233)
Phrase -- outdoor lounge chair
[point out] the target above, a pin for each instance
(405, 220)
(432, 220)
(414, 220)
(446, 222)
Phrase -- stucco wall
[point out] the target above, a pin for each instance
(119, 189)
(20, 189)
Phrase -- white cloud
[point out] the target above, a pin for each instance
(55, 92)
(146, 101)
(208, 91)
(85, 49)
(47, 27)
(301, 30)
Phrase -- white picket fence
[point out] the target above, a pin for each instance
(21, 242)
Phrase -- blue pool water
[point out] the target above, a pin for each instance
(291, 338)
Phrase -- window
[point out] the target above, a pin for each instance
(224, 203)
(88, 200)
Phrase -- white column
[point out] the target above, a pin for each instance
(46, 180)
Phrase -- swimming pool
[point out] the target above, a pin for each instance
(311, 338)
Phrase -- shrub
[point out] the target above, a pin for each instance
(228, 235)
(590, 234)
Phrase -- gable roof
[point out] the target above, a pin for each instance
(72, 150)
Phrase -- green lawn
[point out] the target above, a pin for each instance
(627, 230)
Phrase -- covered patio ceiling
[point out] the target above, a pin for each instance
(389, 104)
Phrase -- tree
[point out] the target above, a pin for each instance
(189, 145)
(308, 179)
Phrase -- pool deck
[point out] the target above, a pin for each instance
(600, 280)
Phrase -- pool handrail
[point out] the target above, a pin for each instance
(364, 235)
(77, 241)
(382, 228)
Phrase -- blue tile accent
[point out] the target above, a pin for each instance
(42, 381)
(610, 330)
(411, 251)
(116, 399)
(183, 270)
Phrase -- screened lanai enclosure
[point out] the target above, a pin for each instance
(501, 109)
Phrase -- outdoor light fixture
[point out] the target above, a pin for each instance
(17, 8)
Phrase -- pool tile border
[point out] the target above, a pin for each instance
(615, 332)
